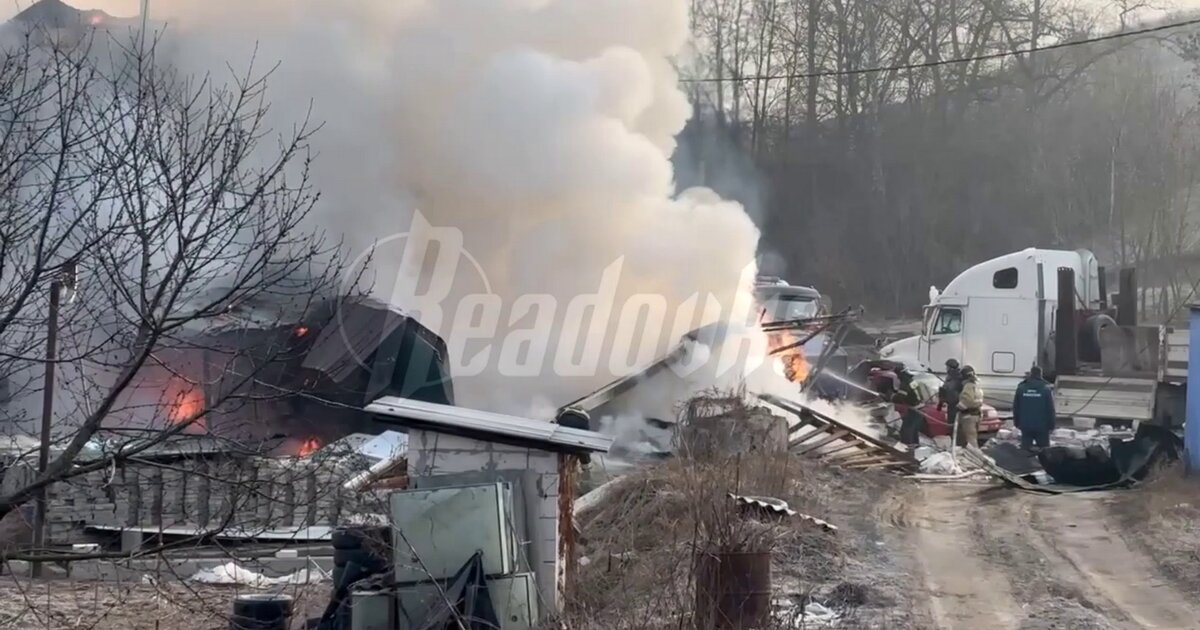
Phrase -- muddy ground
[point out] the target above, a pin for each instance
(978, 555)
(991, 557)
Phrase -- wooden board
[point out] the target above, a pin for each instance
(853, 448)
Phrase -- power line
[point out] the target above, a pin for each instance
(946, 62)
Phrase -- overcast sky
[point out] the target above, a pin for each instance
(161, 8)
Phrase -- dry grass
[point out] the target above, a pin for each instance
(641, 543)
(1163, 517)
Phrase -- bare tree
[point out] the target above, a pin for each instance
(177, 204)
(910, 154)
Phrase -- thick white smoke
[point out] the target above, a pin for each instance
(543, 129)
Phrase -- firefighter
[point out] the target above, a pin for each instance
(1033, 410)
(970, 408)
(906, 402)
(949, 391)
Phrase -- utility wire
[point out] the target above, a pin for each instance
(946, 62)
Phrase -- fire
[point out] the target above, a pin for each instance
(793, 360)
(187, 405)
(309, 446)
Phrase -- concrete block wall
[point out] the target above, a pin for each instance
(252, 493)
(437, 460)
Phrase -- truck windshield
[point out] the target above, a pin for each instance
(786, 308)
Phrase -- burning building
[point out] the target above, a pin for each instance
(290, 383)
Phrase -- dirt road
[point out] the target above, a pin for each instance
(991, 557)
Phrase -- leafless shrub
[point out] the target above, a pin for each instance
(181, 212)
(641, 546)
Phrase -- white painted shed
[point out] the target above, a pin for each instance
(453, 446)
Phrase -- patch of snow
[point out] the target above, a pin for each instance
(946, 464)
(942, 463)
(810, 615)
(1062, 434)
(233, 573)
(386, 445)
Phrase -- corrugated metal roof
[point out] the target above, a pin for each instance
(293, 534)
(495, 426)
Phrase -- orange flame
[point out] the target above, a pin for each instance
(188, 405)
(793, 360)
(309, 446)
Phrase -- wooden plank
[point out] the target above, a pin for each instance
(869, 460)
(816, 434)
(832, 437)
(887, 464)
(802, 423)
(863, 458)
(799, 409)
(863, 450)
(840, 448)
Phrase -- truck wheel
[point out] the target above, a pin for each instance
(1089, 336)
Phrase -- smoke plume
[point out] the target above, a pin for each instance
(542, 129)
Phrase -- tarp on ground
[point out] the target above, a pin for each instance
(1127, 462)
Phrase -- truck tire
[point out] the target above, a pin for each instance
(1089, 336)
(261, 612)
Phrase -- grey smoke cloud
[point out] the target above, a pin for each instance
(543, 129)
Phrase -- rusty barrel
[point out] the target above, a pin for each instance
(733, 590)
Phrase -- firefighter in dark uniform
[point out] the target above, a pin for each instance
(1033, 410)
(950, 390)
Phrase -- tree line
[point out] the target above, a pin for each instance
(877, 163)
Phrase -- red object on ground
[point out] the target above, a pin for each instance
(935, 421)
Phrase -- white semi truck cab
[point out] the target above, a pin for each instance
(1001, 315)
(998, 317)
